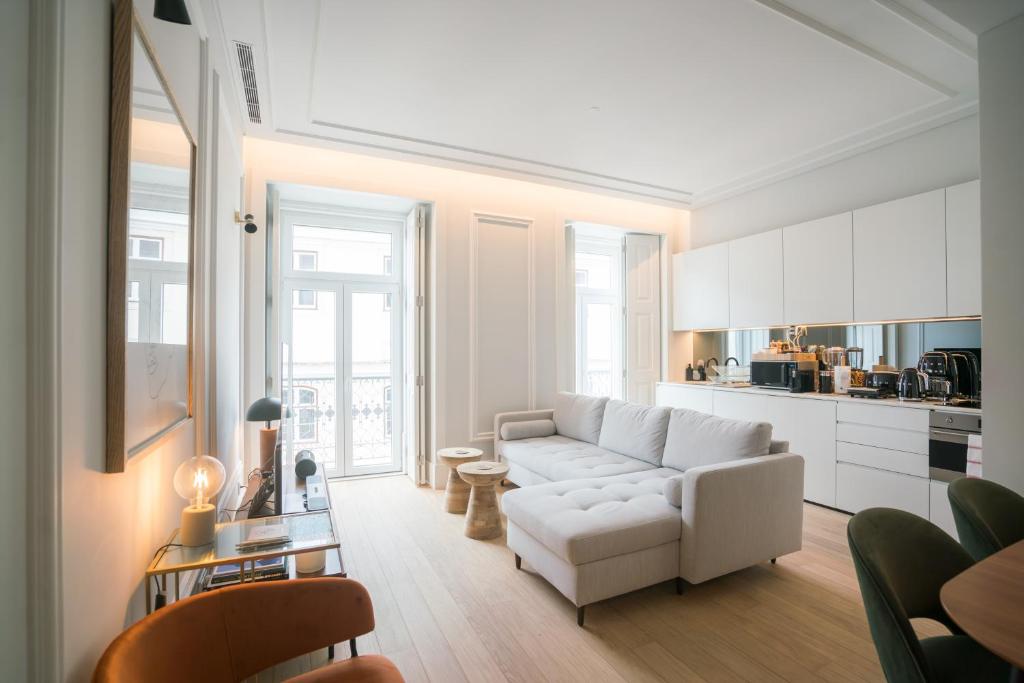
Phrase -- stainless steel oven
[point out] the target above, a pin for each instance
(948, 433)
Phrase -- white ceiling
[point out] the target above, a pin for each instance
(681, 101)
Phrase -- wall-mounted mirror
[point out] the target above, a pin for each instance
(150, 250)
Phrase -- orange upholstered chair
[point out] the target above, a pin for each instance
(233, 633)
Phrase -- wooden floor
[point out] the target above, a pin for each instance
(452, 609)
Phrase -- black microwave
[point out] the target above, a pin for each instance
(777, 374)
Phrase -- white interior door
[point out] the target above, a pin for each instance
(643, 317)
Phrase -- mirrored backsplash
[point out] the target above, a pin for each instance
(898, 344)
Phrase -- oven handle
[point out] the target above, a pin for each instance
(948, 436)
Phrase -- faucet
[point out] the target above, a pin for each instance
(709, 363)
(731, 358)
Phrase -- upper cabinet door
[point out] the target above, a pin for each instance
(963, 249)
(818, 283)
(899, 259)
(755, 280)
(701, 283)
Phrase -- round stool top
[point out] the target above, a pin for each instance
(458, 454)
(482, 473)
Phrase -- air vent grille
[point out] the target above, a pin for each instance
(247, 68)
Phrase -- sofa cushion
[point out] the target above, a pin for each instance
(527, 429)
(592, 519)
(634, 430)
(579, 417)
(558, 458)
(696, 439)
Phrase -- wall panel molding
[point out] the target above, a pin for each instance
(489, 291)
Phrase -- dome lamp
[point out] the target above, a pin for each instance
(197, 480)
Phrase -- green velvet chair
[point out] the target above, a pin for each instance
(988, 516)
(902, 562)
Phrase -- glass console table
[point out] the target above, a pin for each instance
(308, 532)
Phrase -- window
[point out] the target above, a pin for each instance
(305, 299)
(305, 414)
(345, 250)
(146, 248)
(600, 348)
(132, 324)
(304, 260)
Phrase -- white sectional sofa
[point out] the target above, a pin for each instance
(616, 496)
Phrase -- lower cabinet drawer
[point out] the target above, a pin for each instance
(914, 464)
(859, 488)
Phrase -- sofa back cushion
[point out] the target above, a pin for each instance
(635, 430)
(696, 439)
(579, 417)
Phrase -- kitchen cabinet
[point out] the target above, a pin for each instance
(701, 284)
(681, 396)
(899, 256)
(940, 513)
(963, 249)
(859, 488)
(818, 279)
(808, 425)
(755, 280)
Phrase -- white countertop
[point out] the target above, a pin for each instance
(815, 396)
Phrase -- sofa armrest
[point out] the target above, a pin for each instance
(517, 416)
(739, 513)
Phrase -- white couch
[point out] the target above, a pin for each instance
(616, 496)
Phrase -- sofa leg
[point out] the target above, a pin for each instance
(579, 616)
(519, 562)
(773, 560)
(680, 585)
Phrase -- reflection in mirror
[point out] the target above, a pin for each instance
(898, 344)
(158, 251)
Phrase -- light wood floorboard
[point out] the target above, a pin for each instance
(452, 609)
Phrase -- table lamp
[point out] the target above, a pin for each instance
(197, 480)
(265, 410)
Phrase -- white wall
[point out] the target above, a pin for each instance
(14, 30)
(1001, 71)
(539, 211)
(939, 157)
(112, 523)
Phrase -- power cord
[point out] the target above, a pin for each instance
(160, 600)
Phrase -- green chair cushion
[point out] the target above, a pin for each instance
(955, 659)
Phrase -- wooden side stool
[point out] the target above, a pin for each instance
(456, 496)
(483, 520)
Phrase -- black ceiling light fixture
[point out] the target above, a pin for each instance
(174, 11)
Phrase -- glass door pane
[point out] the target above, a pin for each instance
(310, 378)
(373, 391)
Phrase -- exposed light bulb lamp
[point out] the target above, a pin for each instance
(197, 480)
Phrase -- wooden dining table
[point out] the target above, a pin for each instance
(987, 602)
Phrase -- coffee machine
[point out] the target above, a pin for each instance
(954, 376)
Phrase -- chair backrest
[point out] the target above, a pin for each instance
(236, 632)
(988, 517)
(902, 562)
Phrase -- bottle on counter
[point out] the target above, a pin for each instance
(689, 372)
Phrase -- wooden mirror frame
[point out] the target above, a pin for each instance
(124, 27)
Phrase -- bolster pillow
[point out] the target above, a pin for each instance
(673, 490)
(528, 429)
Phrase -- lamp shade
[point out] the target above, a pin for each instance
(174, 11)
(264, 410)
(198, 479)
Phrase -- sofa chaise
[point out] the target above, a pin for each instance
(616, 496)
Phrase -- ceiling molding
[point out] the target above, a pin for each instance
(840, 37)
(629, 190)
(904, 12)
(857, 144)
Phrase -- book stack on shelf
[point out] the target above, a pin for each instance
(268, 569)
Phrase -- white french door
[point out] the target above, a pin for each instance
(342, 374)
